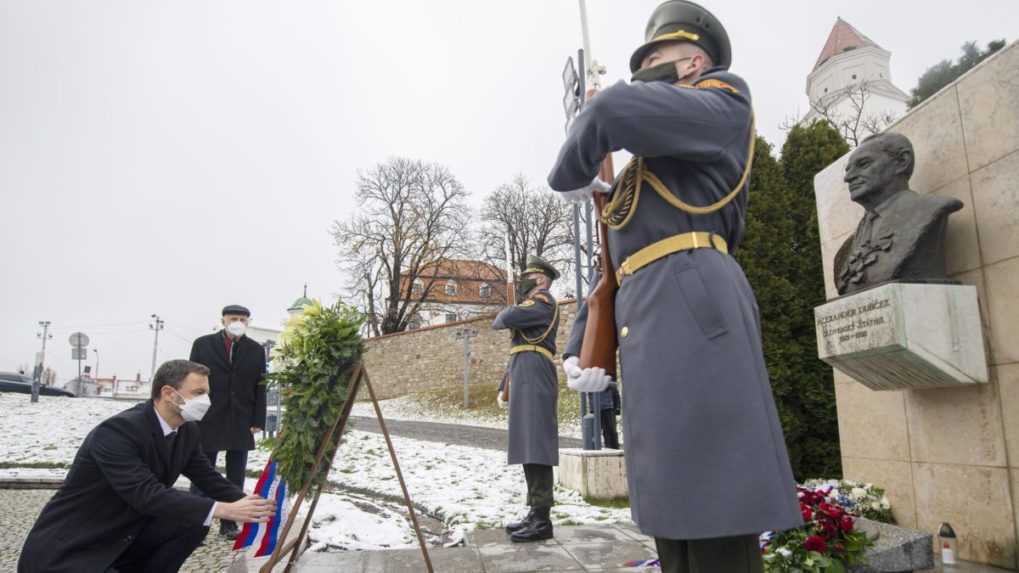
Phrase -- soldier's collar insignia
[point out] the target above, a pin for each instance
(718, 84)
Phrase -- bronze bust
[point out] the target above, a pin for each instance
(902, 234)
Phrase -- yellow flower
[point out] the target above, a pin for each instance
(314, 309)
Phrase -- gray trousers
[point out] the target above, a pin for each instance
(740, 554)
(539, 485)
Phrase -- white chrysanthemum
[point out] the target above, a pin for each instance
(858, 493)
(885, 504)
(875, 505)
(784, 552)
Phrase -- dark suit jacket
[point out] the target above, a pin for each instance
(237, 391)
(122, 477)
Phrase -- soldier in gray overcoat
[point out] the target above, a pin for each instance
(533, 394)
(706, 460)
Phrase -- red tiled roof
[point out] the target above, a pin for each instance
(463, 269)
(843, 37)
(467, 275)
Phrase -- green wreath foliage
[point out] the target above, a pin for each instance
(312, 367)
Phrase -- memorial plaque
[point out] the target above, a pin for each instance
(904, 335)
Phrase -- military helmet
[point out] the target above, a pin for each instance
(540, 265)
(681, 20)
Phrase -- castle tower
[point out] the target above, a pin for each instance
(853, 70)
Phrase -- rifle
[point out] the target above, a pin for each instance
(600, 341)
(511, 297)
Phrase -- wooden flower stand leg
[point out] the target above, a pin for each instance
(294, 547)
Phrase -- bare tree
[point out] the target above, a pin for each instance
(856, 123)
(537, 222)
(412, 215)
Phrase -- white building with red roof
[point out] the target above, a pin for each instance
(853, 71)
(454, 289)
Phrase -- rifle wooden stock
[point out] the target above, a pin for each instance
(600, 341)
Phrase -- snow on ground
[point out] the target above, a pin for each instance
(50, 430)
(408, 408)
(32, 474)
(347, 522)
(465, 487)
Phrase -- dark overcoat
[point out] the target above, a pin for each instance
(237, 390)
(534, 388)
(121, 477)
(705, 454)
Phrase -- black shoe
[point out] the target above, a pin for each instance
(539, 529)
(229, 531)
(518, 525)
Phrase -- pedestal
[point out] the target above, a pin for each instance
(905, 335)
(596, 474)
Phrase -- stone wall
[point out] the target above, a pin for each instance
(950, 454)
(432, 357)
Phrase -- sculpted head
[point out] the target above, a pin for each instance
(880, 167)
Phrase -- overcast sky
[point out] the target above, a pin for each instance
(174, 157)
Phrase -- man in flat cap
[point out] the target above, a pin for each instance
(706, 460)
(237, 370)
(533, 394)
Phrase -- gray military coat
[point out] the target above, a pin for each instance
(705, 454)
(534, 391)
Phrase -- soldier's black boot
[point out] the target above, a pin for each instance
(538, 529)
(518, 525)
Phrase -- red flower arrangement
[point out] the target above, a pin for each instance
(827, 543)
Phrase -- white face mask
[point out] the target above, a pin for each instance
(236, 329)
(194, 409)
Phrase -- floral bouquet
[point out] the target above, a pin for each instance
(860, 499)
(829, 542)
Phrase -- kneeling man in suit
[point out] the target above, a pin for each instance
(117, 510)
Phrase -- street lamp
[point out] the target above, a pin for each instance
(96, 350)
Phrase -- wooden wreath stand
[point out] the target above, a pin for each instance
(294, 548)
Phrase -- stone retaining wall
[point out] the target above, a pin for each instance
(432, 357)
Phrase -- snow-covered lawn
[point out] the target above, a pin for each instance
(50, 430)
(464, 487)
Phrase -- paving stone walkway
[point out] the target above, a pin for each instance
(574, 549)
(22, 506)
(605, 548)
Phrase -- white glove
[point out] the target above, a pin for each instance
(586, 192)
(590, 380)
(499, 400)
(571, 367)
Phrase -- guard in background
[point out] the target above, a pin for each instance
(706, 461)
(533, 394)
(610, 405)
(610, 402)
